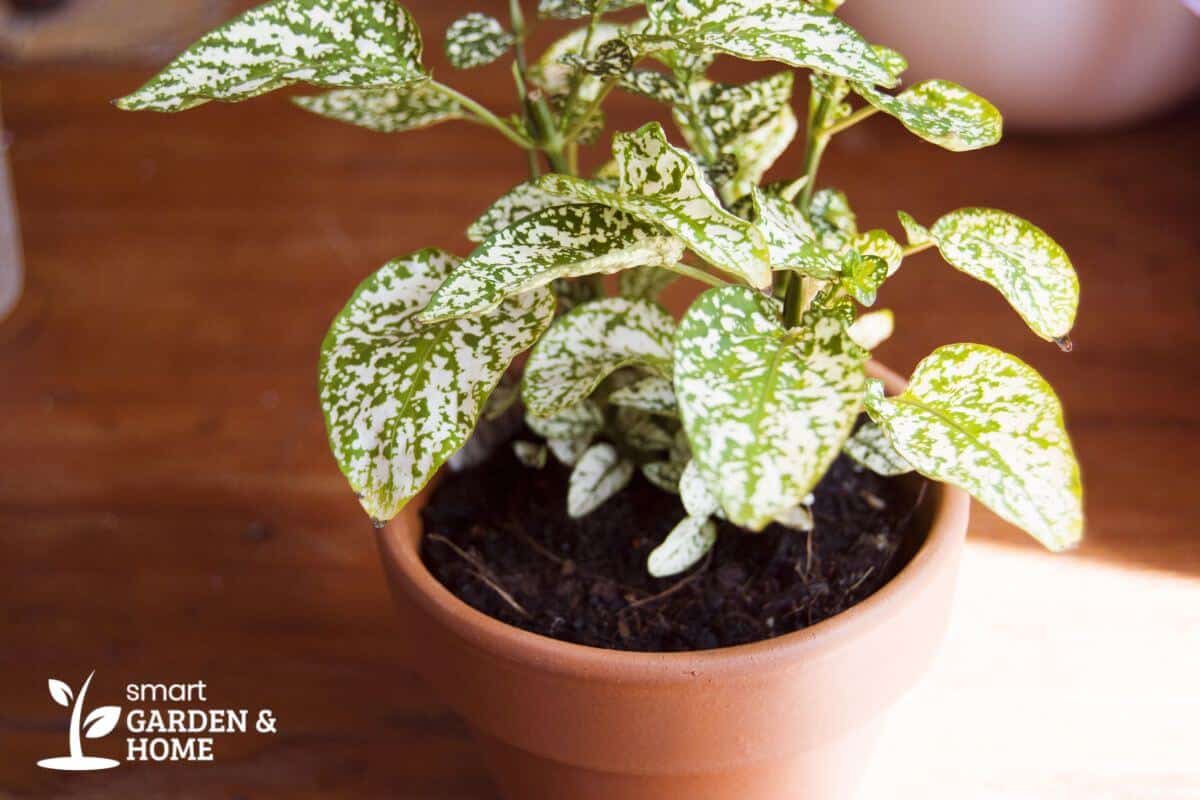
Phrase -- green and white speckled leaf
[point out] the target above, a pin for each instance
(580, 421)
(568, 451)
(552, 72)
(566, 241)
(916, 233)
(879, 243)
(657, 86)
(665, 185)
(987, 422)
(530, 454)
(941, 112)
(766, 409)
(646, 283)
(518, 202)
(791, 238)
(870, 447)
(833, 219)
(641, 431)
(892, 60)
(683, 548)
(599, 474)
(731, 111)
(862, 276)
(1019, 259)
(664, 474)
(695, 493)
(400, 397)
(475, 40)
(794, 33)
(653, 394)
(577, 9)
(387, 110)
(589, 343)
(353, 44)
(757, 150)
(872, 329)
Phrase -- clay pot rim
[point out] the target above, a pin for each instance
(595, 663)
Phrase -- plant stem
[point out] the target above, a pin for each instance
(485, 116)
(815, 139)
(852, 120)
(696, 274)
(582, 121)
(579, 77)
(916, 248)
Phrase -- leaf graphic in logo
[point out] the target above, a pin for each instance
(61, 693)
(101, 721)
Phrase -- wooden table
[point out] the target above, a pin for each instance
(169, 510)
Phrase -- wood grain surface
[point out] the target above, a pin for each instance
(169, 510)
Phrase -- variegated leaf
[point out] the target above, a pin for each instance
(862, 276)
(664, 474)
(791, 238)
(577, 9)
(529, 454)
(515, 204)
(695, 493)
(475, 40)
(644, 282)
(657, 86)
(872, 329)
(580, 421)
(665, 185)
(652, 394)
(639, 430)
(766, 409)
(387, 110)
(589, 343)
(916, 233)
(833, 219)
(358, 44)
(798, 518)
(941, 112)
(599, 474)
(552, 72)
(568, 451)
(870, 447)
(987, 422)
(757, 150)
(893, 61)
(611, 59)
(1019, 259)
(683, 548)
(879, 243)
(400, 397)
(795, 33)
(731, 111)
(565, 241)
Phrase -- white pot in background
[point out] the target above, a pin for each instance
(1046, 65)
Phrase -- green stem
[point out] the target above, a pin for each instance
(697, 274)
(815, 139)
(852, 120)
(579, 77)
(916, 248)
(485, 117)
(581, 123)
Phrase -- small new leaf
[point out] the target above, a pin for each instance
(870, 447)
(568, 451)
(564, 241)
(418, 105)
(580, 421)
(987, 422)
(653, 394)
(879, 243)
(530, 454)
(665, 185)
(872, 329)
(664, 474)
(354, 44)
(916, 233)
(400, 397)
(599, 474)
(475, 40)
(863, 275)
(683, 548)
(941, 112)
(1019, 259)
(589, 343)
(766, 409)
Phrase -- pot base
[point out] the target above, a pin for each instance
(829, 772)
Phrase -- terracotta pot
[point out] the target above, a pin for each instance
(792, 718)
(1047, 66)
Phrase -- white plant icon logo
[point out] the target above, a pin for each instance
(98, 723)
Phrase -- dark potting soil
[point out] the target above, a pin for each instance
(498, 536)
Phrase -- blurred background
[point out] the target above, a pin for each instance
(169, 511)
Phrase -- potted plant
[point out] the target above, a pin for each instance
(803, 575)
